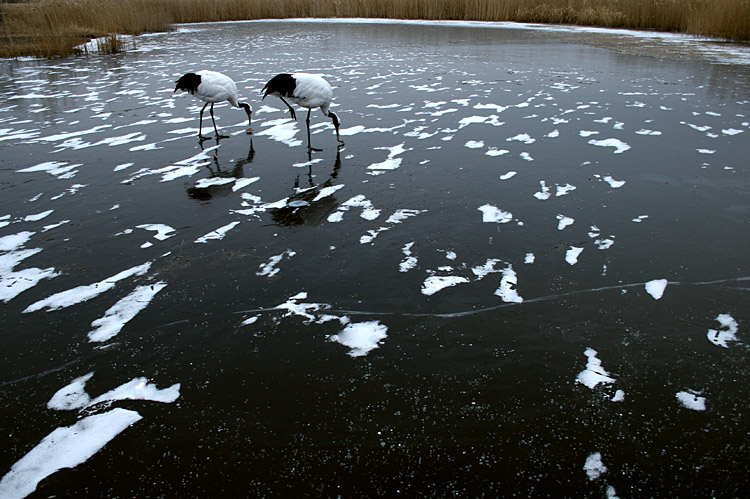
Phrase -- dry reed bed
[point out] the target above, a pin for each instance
(47, 28)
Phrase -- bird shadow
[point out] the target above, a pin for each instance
(306, 206)
(220, 181)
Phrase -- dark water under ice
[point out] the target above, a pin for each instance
(524, 274)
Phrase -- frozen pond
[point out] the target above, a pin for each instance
(526, 273)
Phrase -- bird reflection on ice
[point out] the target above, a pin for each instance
(223, 182)
(310, 204)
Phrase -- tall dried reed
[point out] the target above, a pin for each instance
(54, 27)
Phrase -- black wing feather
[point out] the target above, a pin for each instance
(282, 84)
(188, 82)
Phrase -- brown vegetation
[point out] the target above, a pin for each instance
(47, 28)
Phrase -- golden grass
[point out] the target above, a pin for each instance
(53, 27)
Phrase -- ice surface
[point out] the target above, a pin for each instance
(123, 311)
(80, 294)
(594, 466)
(691, 400)
(726, 333)
(361, 337)
(619, 396)
(65, 447)
(594, 372)
(656, 288)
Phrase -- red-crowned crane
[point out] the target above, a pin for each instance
(212, 87)
(305, 90)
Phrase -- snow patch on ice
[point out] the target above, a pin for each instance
(726, 333)
(361, 337)
(594, 372)
(691, 400)
(65, 447)
(123, 311)
(620, 146)
(656, 288)
(594, 466)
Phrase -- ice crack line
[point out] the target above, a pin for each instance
(448, 315)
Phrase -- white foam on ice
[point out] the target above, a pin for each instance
(162, 231)
(327, 191)
(281, 130)
(478, 120)
(620, 146)
(409, 262)
(691, 400)
(494, 151)
(59, 169)
(493, 214)
(433, 284)
(12, 282)
(65, 447)
(594, 372)
(123, 311)
(594, 466)
(241, 183)
(522, 137)
(656, 288)
(269, 268)
(81, 294)
(391, 162)
(74, 395)
(507, 288)
(369, 212)
(361, 337)
(208, 182)
(218, 234)
(615, 184)
(399, 216)
(544, 193)
(571, 256)
(562, 190)
(726, 333)
(564, 221)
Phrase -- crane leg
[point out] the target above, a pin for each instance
(200, 124)
(216, 130)
(309, 147)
